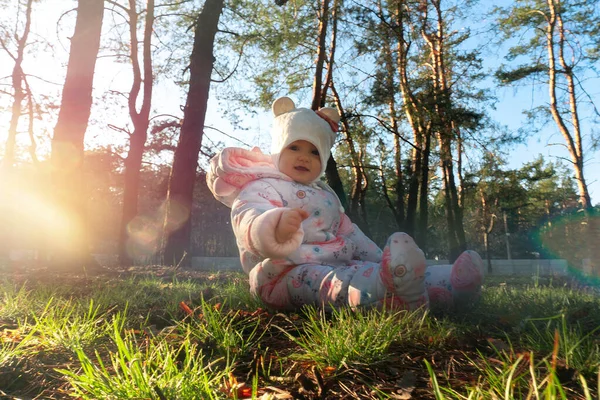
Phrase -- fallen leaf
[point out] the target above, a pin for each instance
(186, 309)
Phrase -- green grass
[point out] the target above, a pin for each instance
(348, 338)
(142, 367)
(69, 324)
(131, 338)
(223, 330)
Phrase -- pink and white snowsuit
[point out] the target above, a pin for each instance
(329, 262)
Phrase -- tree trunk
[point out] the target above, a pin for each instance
(572, 138)
(459, 168)
(19, 94)
(574, 143)
(356, 170)
(71, 240)
(178, 223)
(330, 61)
(421, 228)
(384, 186)
(398, 208)
(415, 115)
(364, 217)
(412, 201)
(485, 215)
(128, 246)
(320, 91)
(334, 180)
(444, 127)
(320, 61)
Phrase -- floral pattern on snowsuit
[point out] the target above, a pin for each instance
(329, 262)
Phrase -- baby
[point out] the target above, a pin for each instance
(296, 243)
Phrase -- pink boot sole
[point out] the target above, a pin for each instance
(466, 276)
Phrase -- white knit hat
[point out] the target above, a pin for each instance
(291, 124)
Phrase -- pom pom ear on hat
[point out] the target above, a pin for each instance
(282, 105)
(292, 124)
(331, 113)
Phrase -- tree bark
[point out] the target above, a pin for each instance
(137, 140)
(178, 224)
(71, 239)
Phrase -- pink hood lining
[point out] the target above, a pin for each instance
(233, 167)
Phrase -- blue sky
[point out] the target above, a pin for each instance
(549, 142)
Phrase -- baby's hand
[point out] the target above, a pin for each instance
(289, 223)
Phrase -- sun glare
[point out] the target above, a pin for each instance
(31, 217)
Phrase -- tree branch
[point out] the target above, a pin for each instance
(229, 136)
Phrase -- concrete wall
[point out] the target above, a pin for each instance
(499, 267)
(521, 267)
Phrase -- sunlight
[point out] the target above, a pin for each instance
(32, 220)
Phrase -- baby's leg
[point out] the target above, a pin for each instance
(403, 272)
(399, 281)
(357, 284)
(323, 286)
(455, 284)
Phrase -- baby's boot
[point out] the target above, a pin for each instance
(466, 278)
(439, 288)
(403, 273)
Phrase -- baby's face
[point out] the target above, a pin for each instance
(300, 161)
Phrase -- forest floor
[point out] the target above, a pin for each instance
(438, 354)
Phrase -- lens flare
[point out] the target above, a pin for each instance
(144, 236)
(177, 215)
(574, 237)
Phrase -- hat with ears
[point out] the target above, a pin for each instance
(291, 124)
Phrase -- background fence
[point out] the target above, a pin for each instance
(499, 267)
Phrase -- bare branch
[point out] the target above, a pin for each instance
(43, 80)
(119, 129)
(114, 3)
(173, 4)
(386, 127)
(164, 115)
(229, 32)
(229, 136)
(7, 50)
(236, 64)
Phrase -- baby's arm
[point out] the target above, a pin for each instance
(262, 225)
(366, 249)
